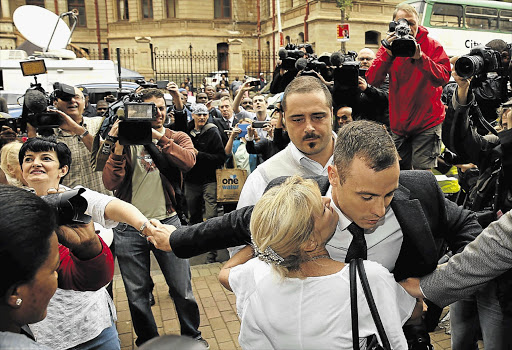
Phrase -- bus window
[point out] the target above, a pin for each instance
(506, 21)
(481, 18)
(446, 15)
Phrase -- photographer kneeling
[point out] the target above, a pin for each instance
(88, 316)
(491, 197)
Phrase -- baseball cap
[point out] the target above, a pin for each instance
(199, 108)
(84, 90)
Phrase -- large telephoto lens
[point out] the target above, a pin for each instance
(469, 65)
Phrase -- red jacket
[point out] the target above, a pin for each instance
(415, 86)
(83, 275)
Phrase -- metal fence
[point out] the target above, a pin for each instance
(127, 56)
(178, 65)
(256, 62)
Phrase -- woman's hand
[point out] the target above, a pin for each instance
(82, 240)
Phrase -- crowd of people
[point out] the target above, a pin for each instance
(330, 180)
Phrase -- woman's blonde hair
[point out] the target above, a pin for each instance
(283, 220)
(9, 156)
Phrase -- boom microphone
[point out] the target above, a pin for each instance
(35, 101)
(283, 53)
(301, 63)
(336, 59)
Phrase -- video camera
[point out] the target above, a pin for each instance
(136, 116)
(347, 72)
(480, 61)
(404, 45)
(36, 104)
(145, 84)
(7, 120)
(289, 56)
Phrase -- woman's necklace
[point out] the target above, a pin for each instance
(323, 256)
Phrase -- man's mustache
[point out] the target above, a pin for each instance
(310, 136)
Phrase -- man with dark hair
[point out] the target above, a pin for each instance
(101, 108)
(149, 176)
(415, 86)
(399, 219)
(307, 113)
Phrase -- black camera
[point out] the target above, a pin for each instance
(478, 62)
(35, 107)
(146, 85)
(69, 206)
(347, 71)
(135, 128)
(404, 45)
(7, 120)
(289, 55)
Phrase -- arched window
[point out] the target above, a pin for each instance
(371, 37)
(301, 38)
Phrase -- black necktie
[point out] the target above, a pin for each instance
(357, 248)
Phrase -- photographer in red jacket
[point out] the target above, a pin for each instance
(415, 86)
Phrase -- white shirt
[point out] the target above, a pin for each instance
(255, 184)
(383, 242)
(314, 313)
(75, 317)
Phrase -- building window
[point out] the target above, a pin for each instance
(122, 10)
(80, 6)
(39, 3)
(371, 37)
(170, 8)
(222, 8)
(147, 8)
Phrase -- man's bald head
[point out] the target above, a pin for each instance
(366, 57)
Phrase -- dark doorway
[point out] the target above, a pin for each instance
(223, 56)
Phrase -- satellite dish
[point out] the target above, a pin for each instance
(37, 25)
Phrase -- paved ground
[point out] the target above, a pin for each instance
(219, 323)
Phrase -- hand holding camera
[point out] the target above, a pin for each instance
(82, 240)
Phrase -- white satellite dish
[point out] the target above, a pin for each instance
(37, 25)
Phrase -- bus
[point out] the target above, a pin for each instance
(460, 25)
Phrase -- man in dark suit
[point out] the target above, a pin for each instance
(404, 215)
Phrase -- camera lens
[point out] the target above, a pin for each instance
(469, 65)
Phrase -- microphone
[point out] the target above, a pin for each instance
(283, 53)
(301, 64)
(120, 114)
(35, 101)
(336, 59)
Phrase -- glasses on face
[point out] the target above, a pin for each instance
(101, 109)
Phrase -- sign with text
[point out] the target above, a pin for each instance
(343, 32)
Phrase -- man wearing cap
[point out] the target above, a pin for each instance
(200, 181)
(89, 110)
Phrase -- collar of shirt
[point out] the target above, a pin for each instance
(383, 241)
(230, 120)
(309, 163)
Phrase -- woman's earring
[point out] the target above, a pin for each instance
(19, 301)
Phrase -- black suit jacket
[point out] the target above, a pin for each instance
(223, 126)
(427, 219)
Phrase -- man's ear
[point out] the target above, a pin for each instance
(332, 173)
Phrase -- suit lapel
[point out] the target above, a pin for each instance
(418, 245)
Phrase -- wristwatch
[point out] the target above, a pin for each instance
(80, 137)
